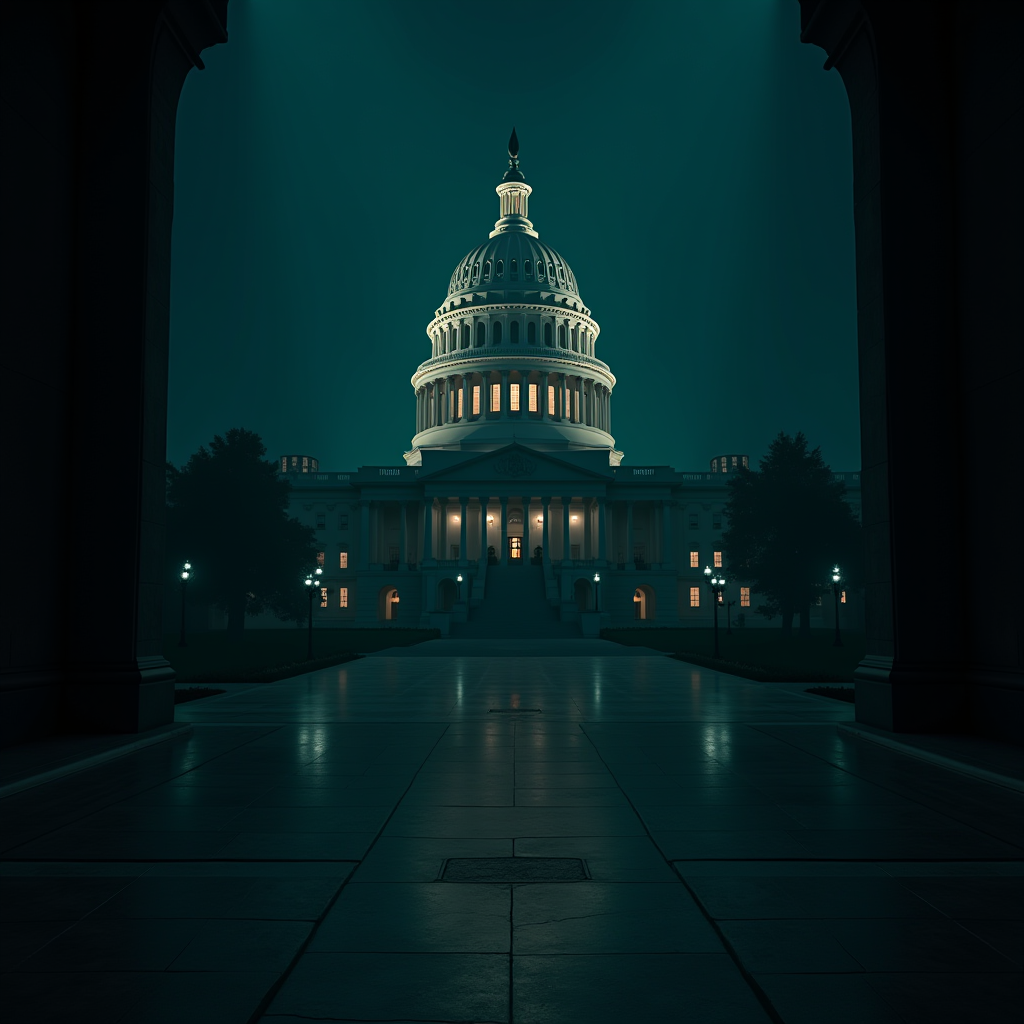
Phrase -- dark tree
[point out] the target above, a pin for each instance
(227, 512)
(788, 525)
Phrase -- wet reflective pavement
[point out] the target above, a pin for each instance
(747, 861)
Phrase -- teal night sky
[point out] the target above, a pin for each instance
(690, 160)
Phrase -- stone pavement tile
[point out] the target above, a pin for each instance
(158, 898)
(396, 986)
(1001, 898)
(588, 766)
(910, 946)
(333, 769)
(717, 819)
(562, 780)
(596, 917)
(696, 796)
(699, 987)
(418, 859)
(951, 998)
(609, 858)
(742, 845)
(325, 795)
(298, 845)
(854, 793)
(425, 917)
(836, 998)
(84, 997)
(512, 822)
(571, 797)
(862, 816)
(243, 946)
(288, 899)
(789, 947)
(201, 997)
(1005, 936)
(177, 818)
(55, 898)
(95, 843)
(180, 793)
(20, 939)
(892, 844)
(309, 819)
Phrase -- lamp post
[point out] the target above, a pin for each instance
(458, 588)
(717, 584)
(186, 575)
(836, 577)
(311, 581)
(597, 591)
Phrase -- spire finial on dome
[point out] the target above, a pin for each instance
(513, 144)
(513, 173)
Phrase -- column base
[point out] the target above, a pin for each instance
(119, 698)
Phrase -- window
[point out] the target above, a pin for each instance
(495, 398)
(842, 597)
(481, 335)
(547, 335)
(694, 597)
(533, 397)
(735, 461)
(540, 270)
(323, 597)
(746, 464)
(718, 559)
(694, 559)
(551, 400)
(460, 402)
(343, 521)
(551, 271)
(561, 335)
(721, 597)
(487, 270)
(343, 558)
(476, 399)
(513, 270)
(513, 398)
(744, 597)
(284, 463)
(496, 333)
(476, 272)
(465, 335)
(716, 520)
(574, 551)
(528, 268)
(342, 597)
(513, 332)
(321, 520)
(320, 558)
(499, 268)
(693, 520)
(531, 333)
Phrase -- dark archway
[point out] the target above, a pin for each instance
(583, 594)
(447, 591)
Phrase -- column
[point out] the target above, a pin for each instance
(463, 533)
(566, 549)
(450, 406)
(403, 522)
(467, 397)
(483, 528)
(364, 534)
(442, 543)
(560, 401)
(503, 535)
(546, 503)
(602, 531)
(629, 532)
(666, 532)
(542, 394)
(428, 530)
(504, 393)
(587, 537)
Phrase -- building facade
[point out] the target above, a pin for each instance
(513, 468)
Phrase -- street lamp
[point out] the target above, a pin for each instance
(836, 578)
(597, 591)
(312, 582)
(186, 575)
(458, 588)
(717, 584)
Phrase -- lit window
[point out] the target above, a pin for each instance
(319, 558)
(513, 398)
(495, 398)
(718, 559)
(533, 398)
(460, 403)
(716, 520)
(343, 521)
(721, 597)
(342, 597)
(284, 463)
(746, 464)
(551, 399)
(476, 399)
(321, 520)
(744, 597)
(735, 460)
(694, 597)
(842, 598)
(323, 597)
(693, 520)
(694, 559)
(295, 461)
(343, 558)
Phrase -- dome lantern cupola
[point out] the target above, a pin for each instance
(514, 194)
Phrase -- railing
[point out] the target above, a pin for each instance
(583, 563)
(447, 563)
(533, 353)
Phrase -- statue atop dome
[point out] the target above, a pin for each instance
(513, 173)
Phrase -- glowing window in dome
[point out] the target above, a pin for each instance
(531, 333)
(476, 399)
(495, 398)
(533, 397)
(499, 268)
(476, 272)
(513, 397)
(551, 400)
(460, 414)
(527, 268)
(513, 270)
(547, 334)
(513, 332)
(487, 270)
(496, 333)
(481, 335)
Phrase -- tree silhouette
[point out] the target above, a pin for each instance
(788, 525)
(227, 512)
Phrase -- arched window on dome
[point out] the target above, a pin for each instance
(487, 270)
(476, 272)
(499, 268)
(527, 268)
(551, 272)
(481, 335)
(437, 344)
(496, 331)
(531, 333)
(547, 335)
(561, 274)
(513, 329)
(465, 336)
(561, 335)
(574, 335)
(513, 270)
(540, 270)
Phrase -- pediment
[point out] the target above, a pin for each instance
(512, 464)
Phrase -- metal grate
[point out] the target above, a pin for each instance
(514, 869)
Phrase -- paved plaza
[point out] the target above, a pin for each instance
(461, 832)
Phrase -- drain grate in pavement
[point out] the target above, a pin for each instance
(514, 711)
(514, 869)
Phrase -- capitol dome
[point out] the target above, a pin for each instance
(513, 348)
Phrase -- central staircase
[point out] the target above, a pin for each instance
(515, 607)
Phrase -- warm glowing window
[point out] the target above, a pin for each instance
(718, 559)
(342, 597)
(842, 599)
(744, 597)
(495, 397)
(551, 400)
(694, 597)
(460, 404)
(694, 559)
(476, 399)
(533, 397)
(513, 398)
(343, 558)
(319, 558)
(323, 597)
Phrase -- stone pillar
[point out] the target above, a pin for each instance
(588, 544)
(666, 532)
(629, 531)
(403, 522)
(364, 534)
(602, 531)
(504, 393)
(542, 396)
(428, 530)
(503, 537)
(463, 532)
(546, 542)
(566, 549)
(467, 398)
(483, 528)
